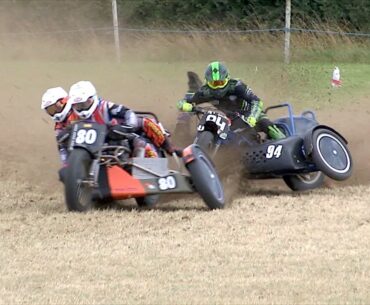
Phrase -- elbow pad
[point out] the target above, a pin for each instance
(131, 118)
(256, 108)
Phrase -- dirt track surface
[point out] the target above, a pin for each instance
(268, 246)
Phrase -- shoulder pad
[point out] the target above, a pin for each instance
(238, 81)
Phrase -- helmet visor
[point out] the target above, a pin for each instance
(84, 105)
(55, 108)
(215, 84)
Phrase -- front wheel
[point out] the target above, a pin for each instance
(304, 182)
(331, 155)
(206, 141)
(78, 192)
(205, 179)
(148, 201)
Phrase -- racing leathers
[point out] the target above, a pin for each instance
(238, 98)
(110, 113)
(61, 137)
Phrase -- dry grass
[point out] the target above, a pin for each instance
(267, 247)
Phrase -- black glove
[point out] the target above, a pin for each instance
(170, 148)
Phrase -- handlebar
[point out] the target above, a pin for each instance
(125, 131)
(197, 109)
(201, 110)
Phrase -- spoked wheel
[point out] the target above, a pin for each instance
(331, 155)
(205, 179)
(206, 142)
(304, 182)
(78, 192)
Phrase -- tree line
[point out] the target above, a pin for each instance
(348, 14)
(218, 14)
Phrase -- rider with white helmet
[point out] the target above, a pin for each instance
(84, 99)
(87, 105)
(55, 102)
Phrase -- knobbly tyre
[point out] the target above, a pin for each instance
(309, 150)
(102, 166)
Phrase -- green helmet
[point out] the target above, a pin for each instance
(217, 75)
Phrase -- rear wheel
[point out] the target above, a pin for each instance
(147, 201)
(304, 182)
(205, 179)
(331, 155)
(206, 141)
(78, 193)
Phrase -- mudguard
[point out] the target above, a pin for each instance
(308, 146)
(189, 154)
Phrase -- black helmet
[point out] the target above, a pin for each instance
(217, 75)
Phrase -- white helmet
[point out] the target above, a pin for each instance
(79, 94)
(49, 103)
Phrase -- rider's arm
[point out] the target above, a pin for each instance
(122, 114)
(190, 100)
(252, 106)
(196, 98)
(116, 111)
(244, 92)
(60, 132)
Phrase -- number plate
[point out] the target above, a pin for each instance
(88, 135)
(274, 151)
(167, 183)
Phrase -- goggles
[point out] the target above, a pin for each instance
(215, 84)
(84, 105)
(56, 108)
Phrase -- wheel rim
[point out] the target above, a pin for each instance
(310, 178)
(84, 190)
(213, 178)
(84, 194)
(333, 153)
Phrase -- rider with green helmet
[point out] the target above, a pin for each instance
(231, 95)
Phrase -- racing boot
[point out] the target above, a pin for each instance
(275, 133)
(144, 149)
(150, 151)
(155, 133)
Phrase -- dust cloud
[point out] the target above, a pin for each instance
(36, 56)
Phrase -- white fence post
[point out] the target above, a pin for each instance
(115, 28)
(287, 32)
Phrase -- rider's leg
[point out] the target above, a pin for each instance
(265, 125)
(154, 132)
